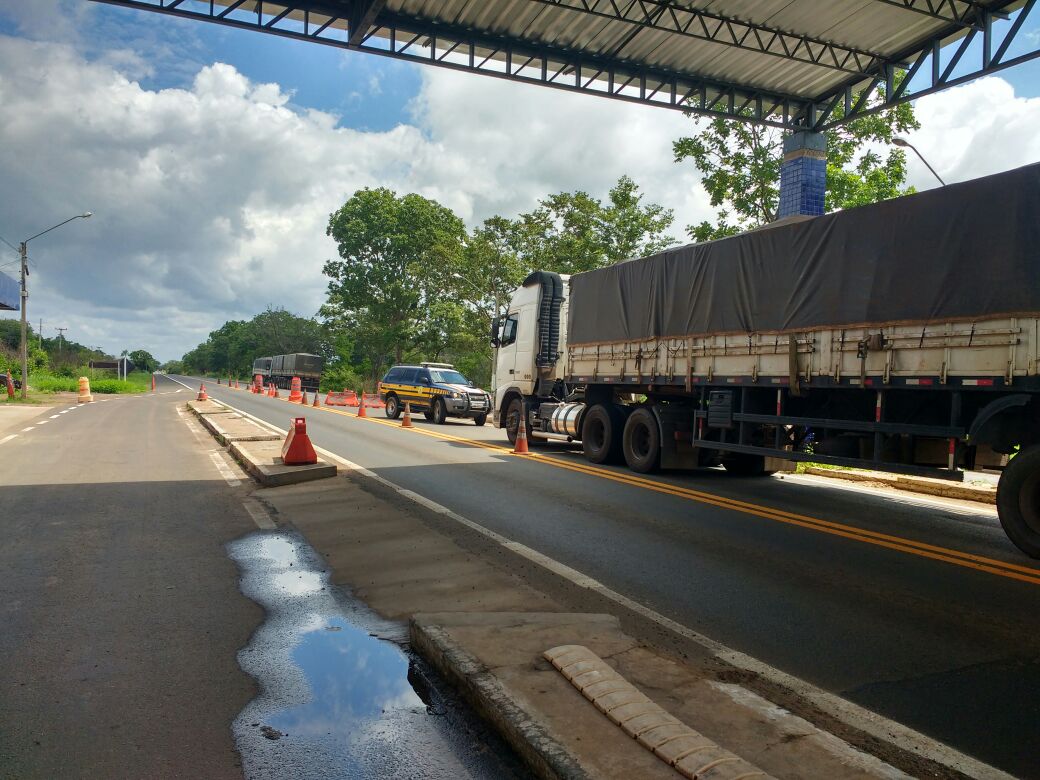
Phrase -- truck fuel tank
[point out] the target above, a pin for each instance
(564, 418)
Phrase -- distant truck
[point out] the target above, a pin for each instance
(902, 336)
(280, 369)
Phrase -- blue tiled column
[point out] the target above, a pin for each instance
(803, 174)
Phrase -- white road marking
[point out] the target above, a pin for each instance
(259, 513)
(54, 416)
(222, 467)
(894, 494)
(26, 430)
(43, 422)
(8, 438)
(65, 411)
(844, 711)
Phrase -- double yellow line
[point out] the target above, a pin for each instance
(910, 546)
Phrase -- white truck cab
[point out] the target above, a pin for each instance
(528, 354)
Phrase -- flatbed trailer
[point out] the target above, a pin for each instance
(910, 348)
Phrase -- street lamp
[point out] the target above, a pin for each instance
(25, 294)
(906, 144)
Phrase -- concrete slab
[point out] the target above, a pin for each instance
(263, 459)
(229, 428)
(207, 407)
(496, 657)
(14, 416)
(986, 494)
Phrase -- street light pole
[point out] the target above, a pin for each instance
(904, 143)
(24, 254)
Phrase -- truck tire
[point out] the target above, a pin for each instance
(746, 465)
(641, 441)
(480, 419)
(393, 407)
(439, 412)
(1018, 501)
(601, 434)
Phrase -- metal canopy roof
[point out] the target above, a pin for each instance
(789, 63)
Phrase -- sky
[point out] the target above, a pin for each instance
(211, 159)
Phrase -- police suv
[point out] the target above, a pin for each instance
(435, 389)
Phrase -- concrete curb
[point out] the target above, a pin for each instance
(262, 460)
(223, 428)
(542, 754)
(933, 487)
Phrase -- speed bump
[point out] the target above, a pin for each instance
(690, 753)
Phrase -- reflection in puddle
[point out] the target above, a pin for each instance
(336, 700)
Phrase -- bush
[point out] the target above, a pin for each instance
(117, 386)
(48, 383)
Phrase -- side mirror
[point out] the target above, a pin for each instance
(496, 325)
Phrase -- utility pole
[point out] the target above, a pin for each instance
(41, 333)
(22, 251)
(25, 299)
(61, 340)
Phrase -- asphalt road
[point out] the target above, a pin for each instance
(833, 584)
(120, 612)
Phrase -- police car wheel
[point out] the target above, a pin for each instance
(393, 407)
(480, 419)
(440, 412)
(428, 414)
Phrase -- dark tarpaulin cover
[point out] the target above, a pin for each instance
(960, 252)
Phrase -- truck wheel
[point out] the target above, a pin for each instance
(1018, 501)
(641, 441)
(601, 434)
(480, 419)
(746, 465)
(393, 407)
(440, 412)
(428, 414)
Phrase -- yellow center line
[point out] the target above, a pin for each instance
(901, 544)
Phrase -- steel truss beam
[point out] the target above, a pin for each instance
(960, 12)
(371, 29)
(703, 25)
(923, 70)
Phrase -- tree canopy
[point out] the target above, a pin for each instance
(741, 166)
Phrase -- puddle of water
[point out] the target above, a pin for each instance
(337, 698)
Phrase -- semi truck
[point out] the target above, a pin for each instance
(903, 336)
(280, 369)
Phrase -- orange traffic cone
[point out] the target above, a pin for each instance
(202, 392)
(10, 386)
(361, 409)
(406, 421)
(298, 450)
(520, 447)
(276, 395)
(316, 405)
(153, 383)
(303, 398)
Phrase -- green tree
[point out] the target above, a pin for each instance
(143, 360)
(741, 166)
(384, 286)
(571, 232)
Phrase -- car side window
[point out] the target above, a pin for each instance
(407, 376)
(423, 378)
(509, 330)
(394, 375)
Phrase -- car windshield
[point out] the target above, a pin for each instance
(448, 377)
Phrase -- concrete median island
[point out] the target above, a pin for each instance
(484, 617)
(257, 448)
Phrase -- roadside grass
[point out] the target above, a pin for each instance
(136, 382)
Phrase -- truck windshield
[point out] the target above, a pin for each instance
(448, 377)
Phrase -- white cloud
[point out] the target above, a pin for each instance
(211, 201)
(974, 130)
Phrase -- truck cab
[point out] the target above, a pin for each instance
(529, 340)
